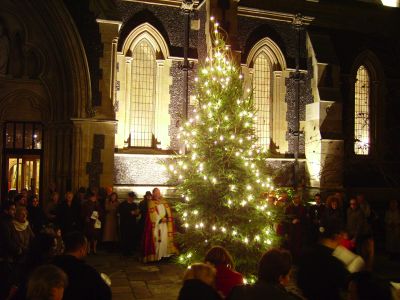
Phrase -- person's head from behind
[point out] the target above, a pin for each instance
(330, 234)
(47, 282)
(76, 244)
(219, 256)
(274, 267)
(201, 271)
(42, 249)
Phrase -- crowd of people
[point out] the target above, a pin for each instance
(42, 249)
(38, 243)
(330, 244)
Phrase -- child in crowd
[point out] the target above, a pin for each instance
(198, 283)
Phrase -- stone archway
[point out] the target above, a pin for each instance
(52, 85)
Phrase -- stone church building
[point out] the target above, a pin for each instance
(93, 92)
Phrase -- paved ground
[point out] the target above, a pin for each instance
(134, 280)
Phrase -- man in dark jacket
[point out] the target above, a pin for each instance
(320, 274)
(84, 282)
(128, 212)
(68, 215)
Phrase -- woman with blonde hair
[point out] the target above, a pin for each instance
(198, 283)
(226, 277)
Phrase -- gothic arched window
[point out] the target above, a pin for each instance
(362, 112)
(142, 98)
(262, 98)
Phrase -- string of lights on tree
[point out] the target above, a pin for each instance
(221, 176)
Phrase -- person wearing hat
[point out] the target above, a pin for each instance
(158, 242)
(128, 212)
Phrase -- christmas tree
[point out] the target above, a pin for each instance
(221, 176)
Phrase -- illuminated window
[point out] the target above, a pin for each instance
(141, 121)
(362, 112)
(262, 98)
(392, 3)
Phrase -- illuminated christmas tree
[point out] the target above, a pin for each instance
(222, 175)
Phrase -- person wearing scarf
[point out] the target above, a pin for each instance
(21, 233)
